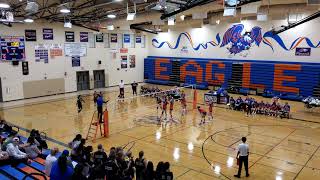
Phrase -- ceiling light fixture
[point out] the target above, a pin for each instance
(131, 15)
(68, 25)
(65, 10)
(182, 17)
(110, 27)
(4, 5)
(28, 20)
(111, 16)
(171, 21)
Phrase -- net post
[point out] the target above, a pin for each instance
(195, 97)
(106, 123)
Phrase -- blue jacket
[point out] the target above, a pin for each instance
(100, 101)
(56, 173)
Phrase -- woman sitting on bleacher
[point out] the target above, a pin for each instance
(32, 149)
(14, 152)
(78, 152)
(41, 143)
(75, 143)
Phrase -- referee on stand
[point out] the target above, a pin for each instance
(243, 154)
(100, 102)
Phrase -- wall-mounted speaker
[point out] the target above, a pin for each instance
(99, 62)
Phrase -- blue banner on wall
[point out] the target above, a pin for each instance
(138, 39)
(75, 61)
(126, 38)
(47, 34)
(303, 51)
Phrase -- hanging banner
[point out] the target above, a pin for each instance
(75, 61)
(138, 39)
(126, 38)
(47, 34)
(84, 37)
(99, 37)
(12, 48)
(31, 35)
(132, 61)
(114, 38)
(124, 62)
(69, 36)
(41, 53)
(55, 50)
(75, 49)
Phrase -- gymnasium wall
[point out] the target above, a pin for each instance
(224, 55)
(61, 67)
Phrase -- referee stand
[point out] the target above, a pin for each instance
(95, 125)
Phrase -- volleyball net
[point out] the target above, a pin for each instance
(147, 98)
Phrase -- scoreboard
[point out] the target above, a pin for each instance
(12, 48)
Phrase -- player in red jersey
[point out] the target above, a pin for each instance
(203, 114)
(183, 103)
(164, 107)
(210, 109)
(171, 101)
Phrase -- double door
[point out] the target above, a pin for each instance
(83, 80)
(99, 78)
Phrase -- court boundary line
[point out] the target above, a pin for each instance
(203, 153)
(305, 165)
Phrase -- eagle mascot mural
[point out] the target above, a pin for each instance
(239, 42)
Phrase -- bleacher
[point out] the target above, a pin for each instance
(34, 170)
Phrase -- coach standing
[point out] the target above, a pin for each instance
(121, 87)
(243, 154)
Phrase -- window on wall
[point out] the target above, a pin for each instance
(106, 40)
(91, 40)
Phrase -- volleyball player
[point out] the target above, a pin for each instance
(95, 97)
(183, 103)
(171, 101)
(79, 103)
(203, 114)
(164, 107)
(210, 109)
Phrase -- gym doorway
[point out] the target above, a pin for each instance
(83, 80)
(99, 78)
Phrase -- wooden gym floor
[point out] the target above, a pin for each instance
(280, 148)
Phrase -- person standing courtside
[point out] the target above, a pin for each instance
(134, 86)
(243, 154)
(121, 87)
(100, 102)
